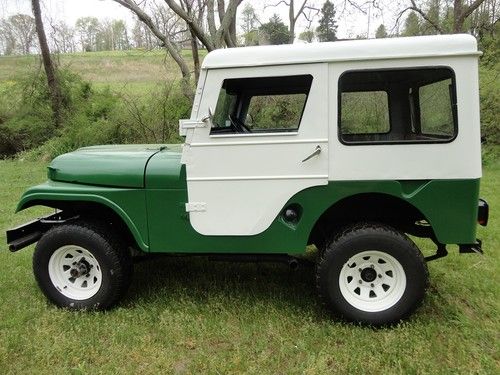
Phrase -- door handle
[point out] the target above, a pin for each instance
(316, 151)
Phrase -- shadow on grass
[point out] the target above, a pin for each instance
(195, 283)
(197, 280)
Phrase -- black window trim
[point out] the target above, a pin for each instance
(454, 108)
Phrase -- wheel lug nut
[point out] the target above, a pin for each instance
(380, 276)
(359, 269)
(372, 285)
(372, 266)
(360, 281)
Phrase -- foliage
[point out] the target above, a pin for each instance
(275, 111)
(275, 30)
(251, 38)
(381, 32)
(489, 89)
(249, 18)
(327, 29)
(412, 25)
(17, 34)
(307, 36)
(90, 116)
(87, 29)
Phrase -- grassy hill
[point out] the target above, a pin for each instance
(134, 71)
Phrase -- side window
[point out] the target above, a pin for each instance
(264, 104)
(397, 106)
(436, 117)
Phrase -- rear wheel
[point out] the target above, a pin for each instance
(372, 274)
(82, 266)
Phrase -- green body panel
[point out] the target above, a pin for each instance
(158, 220)
(164, 170)
(450, 206)
(129, 204)
(113, 165)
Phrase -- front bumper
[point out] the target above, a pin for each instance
(26, 234)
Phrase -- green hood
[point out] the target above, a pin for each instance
(111, 165)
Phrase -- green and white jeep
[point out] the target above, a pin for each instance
(349, 146)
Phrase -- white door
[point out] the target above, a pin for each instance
(269, 141)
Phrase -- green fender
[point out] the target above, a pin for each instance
(128, 204)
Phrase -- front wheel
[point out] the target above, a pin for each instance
(372, 274)
(82, 266)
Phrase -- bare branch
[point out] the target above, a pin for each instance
(425, 17)
(146, 19)
(194, 26)
(471, 8)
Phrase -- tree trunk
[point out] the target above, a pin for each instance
(458, 22)
(291, 17)
(54, 89)
(196, 56)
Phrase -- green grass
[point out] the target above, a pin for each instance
(194, 316)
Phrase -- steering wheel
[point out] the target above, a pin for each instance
(238, 125)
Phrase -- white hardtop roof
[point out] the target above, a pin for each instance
(349, 50)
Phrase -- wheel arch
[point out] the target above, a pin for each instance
(89, 206)
(382, 208)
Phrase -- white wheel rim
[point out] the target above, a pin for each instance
(74, 272)
(379, 294)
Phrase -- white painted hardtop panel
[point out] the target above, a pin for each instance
(459, 159)
(349, 50)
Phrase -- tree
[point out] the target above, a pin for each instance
(18, 33)
(62, 37)
(275, 31)
(112, 35)
(215, 37)
(327, 29)
(462, 10)
(166, 41)
(433, 18)
(412, 25)
(249, 25)
(142, 37)
(53, 84)
(381, 32)
(249, 18)
(307, 36)
(88, 29)
(294, 16)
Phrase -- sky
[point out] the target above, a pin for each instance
(350, 22)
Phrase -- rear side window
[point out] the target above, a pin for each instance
(263, 104)
(397, 106)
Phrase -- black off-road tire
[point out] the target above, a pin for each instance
(364, 239)
(112, 259)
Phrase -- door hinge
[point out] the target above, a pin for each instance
(196, 207)
(184, 125)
